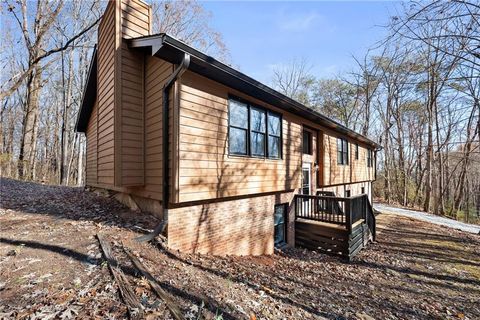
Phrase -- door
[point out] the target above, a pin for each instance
(306, 185)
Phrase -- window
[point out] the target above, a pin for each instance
(356, 151)
(369, 158)
(363, 190)
(274, 135)
(307, 142)
(342, 151)
(238, 128)
(347, 193)
(257, 131)
(254, 131)
(279, 222)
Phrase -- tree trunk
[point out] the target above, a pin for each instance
(28, 141)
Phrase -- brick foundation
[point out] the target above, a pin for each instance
(234, 227)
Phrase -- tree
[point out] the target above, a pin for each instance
(294, 80)
(189, 22)
(337, 99)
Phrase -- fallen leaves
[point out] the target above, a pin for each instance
(415, 270)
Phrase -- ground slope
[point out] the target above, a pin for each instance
(51, 266)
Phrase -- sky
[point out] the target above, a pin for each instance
(262, 35)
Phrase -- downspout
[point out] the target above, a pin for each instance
(183, 66)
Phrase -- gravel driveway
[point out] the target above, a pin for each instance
(441, 221)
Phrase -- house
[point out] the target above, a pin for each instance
(234, 166)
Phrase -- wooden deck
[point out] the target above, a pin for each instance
(345, 238)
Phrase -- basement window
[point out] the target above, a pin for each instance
(280, 224)
(253, 131)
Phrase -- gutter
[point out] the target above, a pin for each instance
(165, 147)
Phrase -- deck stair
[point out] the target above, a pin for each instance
(335, 225)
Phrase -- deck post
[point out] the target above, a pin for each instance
(348, 215)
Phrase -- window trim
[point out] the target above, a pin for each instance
(266, 134)
(343, 161)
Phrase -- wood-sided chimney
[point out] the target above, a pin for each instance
(120, 94)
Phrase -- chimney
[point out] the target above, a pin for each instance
(120, 74)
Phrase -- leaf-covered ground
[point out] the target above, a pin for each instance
(51, 267)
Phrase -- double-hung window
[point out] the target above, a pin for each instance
(342, 151)
(254, 131)
(369, 158)
(238, 128)
(274, 135)
(257, 131)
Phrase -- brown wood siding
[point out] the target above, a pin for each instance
(156, 72)
(355, 171)
(132, 121)
(91, 154)
(135, 18)
(135, 22)
(106, 96)
(205, 170)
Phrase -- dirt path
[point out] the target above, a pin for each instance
(51, 267)
(441, 221)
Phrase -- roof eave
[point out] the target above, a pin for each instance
(171, 49)
(89, 95)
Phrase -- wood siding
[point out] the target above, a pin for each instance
(120, 95)
(355, 171)
(156, 73)
(106, 97)
(129, 128)
(135, 22)
(132, 120)
(205, 170)
(135, 18)
(91, 154)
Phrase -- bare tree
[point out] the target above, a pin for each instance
(294, 80)
(189, 22)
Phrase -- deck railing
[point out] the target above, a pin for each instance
(336, 210)
(321, 208)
